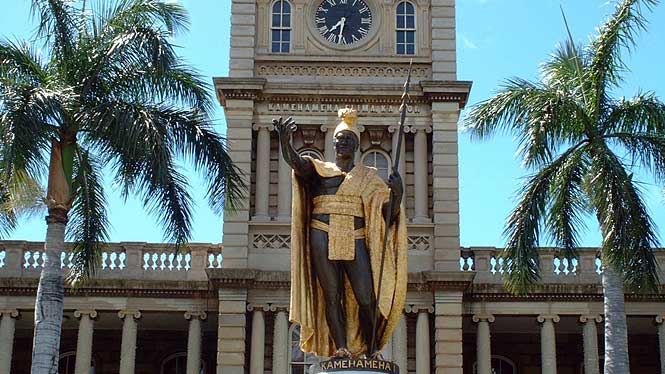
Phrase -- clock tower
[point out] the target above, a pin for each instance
(307, 59)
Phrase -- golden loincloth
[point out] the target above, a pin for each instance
(341, 234)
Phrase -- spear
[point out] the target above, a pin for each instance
(395, 166)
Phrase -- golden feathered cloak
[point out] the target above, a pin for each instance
(307, 300)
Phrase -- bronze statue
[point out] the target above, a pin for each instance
(337, 237)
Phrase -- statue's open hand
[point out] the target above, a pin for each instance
(285, 127)
(396, 186)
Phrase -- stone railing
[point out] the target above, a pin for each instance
(126, 260)
(585, 268)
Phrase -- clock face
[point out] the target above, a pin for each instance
(343, 22)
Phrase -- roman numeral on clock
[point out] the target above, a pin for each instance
(363, 31)
(320, 20)
(344, 2)
(322, 9)
(331, 37)
(331, 2)
(364, 9)
(366, 20)
(323, 29)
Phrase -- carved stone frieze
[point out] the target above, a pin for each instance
(347, 70)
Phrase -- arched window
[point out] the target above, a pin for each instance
(299, 361)
(405, 28)
(500, 365)
(313, 153)
(177, 364)
(67, 363)
(379, 160)
(281, 26)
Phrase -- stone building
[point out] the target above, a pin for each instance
(149, 311)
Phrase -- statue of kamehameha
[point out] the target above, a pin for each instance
(341, 212)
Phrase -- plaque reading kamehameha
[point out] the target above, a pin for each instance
(356, 365)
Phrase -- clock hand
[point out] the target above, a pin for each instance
(337, 24)
(339, 36)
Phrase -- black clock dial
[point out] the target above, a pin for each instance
(343, 22)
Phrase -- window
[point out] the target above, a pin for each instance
(177, 364)
(67, 363)
(299, 360)
(313, 153)
(379, 160)
(405, 27)
(281, 26)
(500, 365)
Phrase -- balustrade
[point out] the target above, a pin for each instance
(127, 260)
(554, 266)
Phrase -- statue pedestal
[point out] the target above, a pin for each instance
(355, 366)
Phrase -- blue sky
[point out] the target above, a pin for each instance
(496, 39)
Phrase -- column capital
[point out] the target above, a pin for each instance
(660, 318)
(91, 313)
(258, 307)
(262, 126)
(129, 312)
(195, 314)
(483, 317)
(394, 128)
(422, 129)
(591, 317)
(418, 308)
(13, 313)
(548, 317)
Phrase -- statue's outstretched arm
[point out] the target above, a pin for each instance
(396, 191)
(285, 129)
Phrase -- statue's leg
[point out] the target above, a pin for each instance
(329, 273)
(359, 272)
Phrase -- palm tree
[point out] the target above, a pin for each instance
(583, 146)
(110, 92)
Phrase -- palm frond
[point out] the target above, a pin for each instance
(524, 225)
(135, 139)
(26, 117)
(617, 33)
(88, 217)
(629, 234)
(20, 63)
(645, 149)
(170, 15)
(564, 214)
(540, 117)
(8, 219)
(58, 25)
(643, 113)
(564, 69)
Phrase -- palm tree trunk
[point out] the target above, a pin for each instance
(616, 329)
(50, 299)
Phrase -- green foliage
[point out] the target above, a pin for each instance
(110, 80)
(583, 145)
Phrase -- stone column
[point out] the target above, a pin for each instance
(284, 189)
(257, 348)
(128, 347)
(402, 157)
(280, 343)
(590, 337)
(84, 342)
(448, 332)
(660, 320)
(422, 343)
(7, 328)
(483, 343)
(548, 343)
(194, 341)
(262, 181)
(420, 174)
(329, 149)
(399, 344)
(231, 331)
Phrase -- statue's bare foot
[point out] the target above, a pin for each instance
(377, 356)
(342, 353)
